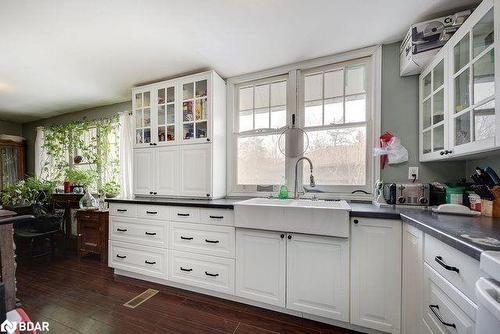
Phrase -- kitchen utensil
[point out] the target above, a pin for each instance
(493, 176)
(483, 191)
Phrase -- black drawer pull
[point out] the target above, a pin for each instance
(121, 229)
(212, 275)
(433, 307)
(151, 212)
(121, 210)
(439, 260)
(186, 238)
(150, 233)
(150, 262)
(183, 214)
(217, 217)
(184, 269)
(120, 256)
(212, 241)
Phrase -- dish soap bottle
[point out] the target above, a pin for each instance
(283, 192)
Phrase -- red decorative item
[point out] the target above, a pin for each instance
(384, 141)
(67, 187)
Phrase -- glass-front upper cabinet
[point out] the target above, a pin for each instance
(433, 103)
(166, 120)
(142, 110)
(195, 110)
(472, 57)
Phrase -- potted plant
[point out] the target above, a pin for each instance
(80, 178)
(110, 189)
(24, 193)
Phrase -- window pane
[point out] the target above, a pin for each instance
(334, 111)
(462, 129)
(484, 77)
(355, 80)
(246, 98)
(138, 100)
(427, 142)
(262, 118)
(461, 53)
(201, 88)
(278, 117)
(484, 121)
(313, 113)
(261, 96)
(462, 91)
(427, 85)
(355, 108)
(438, 107)
(482, 33)
(438, 139)
(438, 73)
(338, 156)
(246, 120)
(334, 84)
(278, 93)
(313, 85)
(188, 91)
(259, 160)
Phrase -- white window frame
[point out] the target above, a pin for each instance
(373, 60)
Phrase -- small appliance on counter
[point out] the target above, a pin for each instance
(413, 194)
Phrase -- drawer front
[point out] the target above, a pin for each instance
(139, 231)
(203, 239)
(87, 217)
(143, 260)
(441, 313)
(204, 271)
(159, 212)
(459, 269)
(185, 214)
(122, 209)
(217, 217)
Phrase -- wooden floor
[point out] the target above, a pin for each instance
(84, 297)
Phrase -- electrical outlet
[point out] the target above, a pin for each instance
(413, 173)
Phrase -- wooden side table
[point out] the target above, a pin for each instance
(92, 228)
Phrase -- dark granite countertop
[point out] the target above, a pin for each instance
(225, 203)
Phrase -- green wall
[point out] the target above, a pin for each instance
(9, 128)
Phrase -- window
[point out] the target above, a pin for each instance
(336, 103)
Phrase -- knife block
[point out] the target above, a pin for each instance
(492, 208)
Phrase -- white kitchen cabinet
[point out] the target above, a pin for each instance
(318, 275)
(260, 266)
(470, 123)
(413, 265)
(144, 175)
(376, 273)
(143, 115)
(167, 171)
(196, 171)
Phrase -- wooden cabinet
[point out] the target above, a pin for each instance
(92, 227)
(181, 123)
(318, 275)
(12, 162)
(458, 114)
(376, 274)
(413, 265)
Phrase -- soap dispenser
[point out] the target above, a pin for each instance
(283, 191)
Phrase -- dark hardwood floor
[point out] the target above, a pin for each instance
(85, 297)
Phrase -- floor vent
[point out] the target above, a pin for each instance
(138, 300)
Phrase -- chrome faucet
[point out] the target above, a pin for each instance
(311, 178)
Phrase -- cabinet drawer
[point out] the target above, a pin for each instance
(149, 261)
(121, 209)
(445, 309)
(203, 239)
(459, 269)
(160, 212)
(217, 217)
(209, 272)
(139, 231)
(187, 214)
(87, 217)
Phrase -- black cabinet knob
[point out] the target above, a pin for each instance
(208, 139)
(442, 153)
(289, 237)
(282, 236)
(355, 221)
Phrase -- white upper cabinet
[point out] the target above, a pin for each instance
(458, 116)
(142, 111)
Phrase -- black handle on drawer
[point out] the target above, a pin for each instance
(152, 212)
(212, 275)
(436, 307)
(121, 229)
(212, 241)
(121, 210)
(120, 256)
(183, 214)
(439, 260)
(150, 233)
(184, 269)
(150, 262)
(186, 238)
(217, 217)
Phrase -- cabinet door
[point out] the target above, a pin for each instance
(196, 170)
(166, 103)
(260, 266)
(472, 88)
(167, 171)
(143, 114)
(195, 108)
(89, 237)
(318, 275)
(144, 170)
(413, 264)
(376, 274)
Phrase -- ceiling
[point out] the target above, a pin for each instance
(67, 55)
